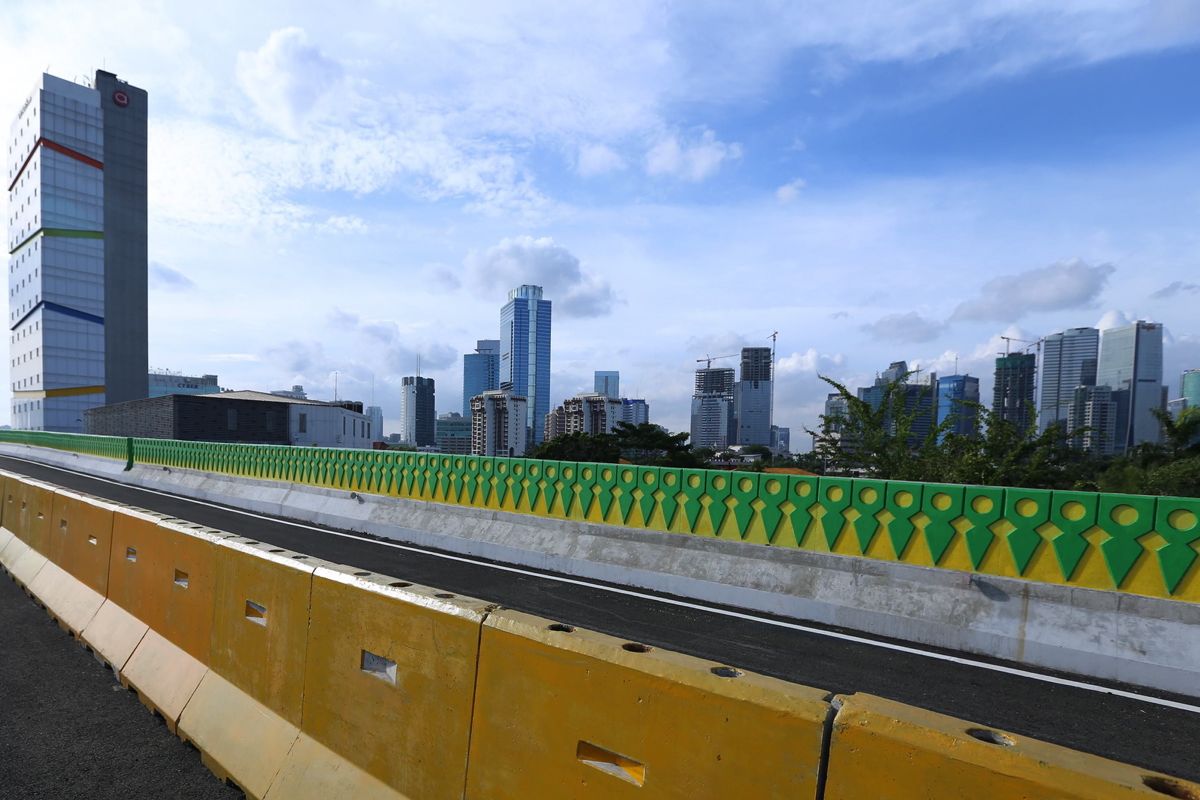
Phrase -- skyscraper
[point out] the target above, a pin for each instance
(1131, 362)
(77, 251)
(955, 396)
(1189, 387)
(525, 355)
(608, 383)
(1093, 412)
(481, 371)
(498, 424)
(753, 397)
(375, 415)
(916, 400)
(1012, 392)
(1068, 360)
(713, 422)
(635, 410)
(418, 419)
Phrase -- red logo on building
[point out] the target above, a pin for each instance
(120, 98)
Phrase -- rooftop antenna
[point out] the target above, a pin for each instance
(335, 377)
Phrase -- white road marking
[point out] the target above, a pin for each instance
(847, 637)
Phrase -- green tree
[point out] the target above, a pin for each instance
(597, 448)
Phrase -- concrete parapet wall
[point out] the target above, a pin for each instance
(1140, 640)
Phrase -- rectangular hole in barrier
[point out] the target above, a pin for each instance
(131, 554)
(62, 525)
(256, 613)
(379, 667)
(181, 579)
(91, 540)
(614, 764)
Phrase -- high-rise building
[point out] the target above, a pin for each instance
(753, 397)
(781, 440)
(77, 251)
(1092, 414)
(498, 424)
(296, 392)
(957, 401)
(608, 383)
(481, 371)
(584, 413)
(1012, 392)
(635, 410)
(375, 417)
(1189, 387)
(917, 401)
(1131, 363)
(163, 382)
(417, 411)
(453, 434)
(713, 423)
(1069, 360)
(525, 355)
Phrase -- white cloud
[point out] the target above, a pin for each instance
(1175, 287)
(907, 327)
(808, 361)
(690, 161)
(789, 191)
(1115, 318)
(167, 279)
(523, 259)
(287, 78)
(1064, 285)
(597, 159)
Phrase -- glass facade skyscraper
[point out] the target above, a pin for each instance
(525, 355)
(607, 383)
(1131, 363)
(753, 397)
(955, 394)
(1068, 361)
(481, 371)
(1189, 387)
(77, 251)
(418, 416)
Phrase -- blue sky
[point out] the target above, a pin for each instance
(875, 181)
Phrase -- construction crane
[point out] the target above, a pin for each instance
(1008, 340)
(773, 337)
(709, 359)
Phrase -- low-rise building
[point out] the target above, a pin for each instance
(589, 412)
(453, 434)
(246, 417)
(498, 423)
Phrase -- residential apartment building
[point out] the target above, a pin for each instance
(498, 424)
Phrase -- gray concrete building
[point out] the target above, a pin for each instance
(77, 251)
(713, 423)
(498, 424)
(1093, 413)
(163, 382)
(754, 397)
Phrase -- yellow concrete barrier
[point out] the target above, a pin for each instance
(563, 712)
(32, 517)
(388, 687)
(880, 748)
(245, 714)
(73, 583)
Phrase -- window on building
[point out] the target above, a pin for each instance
(231, 419)
(303, 422)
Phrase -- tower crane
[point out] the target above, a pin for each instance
(1008, 340)
(709, 359)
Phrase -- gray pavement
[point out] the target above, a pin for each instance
(68, 729)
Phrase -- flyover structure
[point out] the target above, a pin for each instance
(268, 604)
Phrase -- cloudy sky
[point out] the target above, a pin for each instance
(876, 181)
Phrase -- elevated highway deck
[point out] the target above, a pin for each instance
(1149, 729)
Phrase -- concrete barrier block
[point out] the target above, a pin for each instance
(163, 675)
(81, 538)
(35, 501)
(113, 635)
(25, 562)
(246, 713)
(68, 600)
(563, 712)
(389, 679)
(314, 772)
(880, 748)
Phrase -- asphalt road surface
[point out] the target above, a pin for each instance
(1141, 728)
(69, 729)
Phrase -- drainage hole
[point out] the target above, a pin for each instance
(634, 647)
(726, 672)
(250, 542)
(400, 584)
(300, 558)
(1169, 787)
(362, 574)
(990, 736)
(275, 550)
(444, 595)
(558, 626)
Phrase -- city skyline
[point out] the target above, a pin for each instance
(651, 176)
